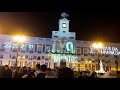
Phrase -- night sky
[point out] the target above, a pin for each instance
(88, 25)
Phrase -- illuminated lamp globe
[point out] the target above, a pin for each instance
(20, 38)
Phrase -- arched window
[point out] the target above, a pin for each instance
(38, 58)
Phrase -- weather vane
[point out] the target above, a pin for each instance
(64, 15)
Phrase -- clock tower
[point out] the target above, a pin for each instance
(63, 32)
(64, 23)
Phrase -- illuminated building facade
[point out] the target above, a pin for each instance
(63, 45)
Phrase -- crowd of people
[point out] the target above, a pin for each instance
(41, 71)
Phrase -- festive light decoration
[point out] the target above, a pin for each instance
(106, 50)
(101, 68)
(14, 45)
(68, 58)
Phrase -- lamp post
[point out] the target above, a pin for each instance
(18, 39)
(97, 47)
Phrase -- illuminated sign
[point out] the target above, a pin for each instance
(69, 47)
(65, 47)
(68, 58)
(9, 45)
(14, 45)
(106, 50)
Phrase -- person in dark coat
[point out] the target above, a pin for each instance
(7, 72)
(42, 73)
(65, 73)
(94, 75)
(2, 69)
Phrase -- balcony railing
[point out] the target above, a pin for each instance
(2, 49)
(38, 51)
(31, 51)
(14, 50)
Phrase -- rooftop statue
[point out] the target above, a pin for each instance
(64, 15)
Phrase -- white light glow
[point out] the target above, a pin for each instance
(67, 58)
(106, 50)
(19, 38)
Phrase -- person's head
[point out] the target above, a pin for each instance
(21, 70)
(31, 75)
(63, 64)
(17, 69)
(3, 68)
(48, 70)
(6, 67)
(65, 73)
(37, 67)
(43, 68)
(80, 73)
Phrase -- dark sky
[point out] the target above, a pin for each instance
(89, 25)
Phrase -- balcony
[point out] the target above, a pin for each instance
(46, 59)
(14, 50)
(85, 54)
(13, 57)
(2, 49)
(38, 58)
(1, 57)
(31, 51)
(22, 51)
(38, 51)
(30, 58)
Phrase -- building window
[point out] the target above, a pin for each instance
(30, 57)
(34, 57)
(39, 49)
(3, 47)
(13, 57)
(82, 59)
(47, 49)
(47, 58)
(85, 51)
(78, 51)
(10, 56)
(31, 48)
(38, 58)
(43, 57)
(26, 56)
(55, 36)
(23, 48)
(0, 63)
(14, 47)
(38, 62)
(71, 37)
(1, 56)
(26, 63)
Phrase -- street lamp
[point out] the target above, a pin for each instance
(18, 39)
(97, 46)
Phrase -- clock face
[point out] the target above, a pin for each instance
(64, 25)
